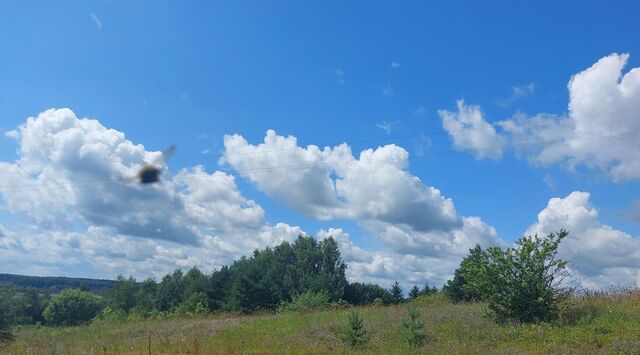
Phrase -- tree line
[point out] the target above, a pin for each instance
(521, 283)
(304, 274)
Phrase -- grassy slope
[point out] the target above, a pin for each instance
(595, 324)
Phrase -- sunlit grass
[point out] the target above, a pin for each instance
(601, 323)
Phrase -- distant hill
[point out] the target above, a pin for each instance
(54, 283)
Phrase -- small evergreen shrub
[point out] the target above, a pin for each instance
(354, 333)
(413, 328)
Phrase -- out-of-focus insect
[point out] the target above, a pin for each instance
(150, 173)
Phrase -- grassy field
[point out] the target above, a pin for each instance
(596, 324)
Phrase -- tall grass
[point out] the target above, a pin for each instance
(594, 323)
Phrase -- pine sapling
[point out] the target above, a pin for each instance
(354, 333)
(413, 328)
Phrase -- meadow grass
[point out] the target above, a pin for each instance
(589, 324)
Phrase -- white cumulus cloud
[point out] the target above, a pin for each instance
(600, 131)
(67, 180)
(600, 255)
(469, 131)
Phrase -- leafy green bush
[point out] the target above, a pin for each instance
(72, 307)
(354, 333)
(197, 303)
(522, 283)
(110, 314)
(307, 301)
(413, 328)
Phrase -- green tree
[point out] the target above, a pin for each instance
(220, 283)
(122, 295)
(145, 298)
(413, 328)
(170, 292)
(354, 332)
(361, 294)
(254, 287)
(333, 269)
(397, 296)
(428, 290)
(72, 307)
(523, 283)
(195, 281)
(414, 292)
(459, 289)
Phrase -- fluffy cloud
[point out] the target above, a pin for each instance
(68, 180)
(600, 131)
(600, 255)
(417, 224)
(85, 221)
(470, 131)
(332, 183)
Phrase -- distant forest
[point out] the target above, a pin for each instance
(55, 283)
(303, 275)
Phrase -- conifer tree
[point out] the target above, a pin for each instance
(397, 296)
(414, 292)
(413, 331)
(354, 333)
(428, 290)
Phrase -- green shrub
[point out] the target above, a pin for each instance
(354, 333)
(522, 283)
(307, 301)
(413, 328)
(197, 303)
(72, 307)
(111, 314)
(378, 302)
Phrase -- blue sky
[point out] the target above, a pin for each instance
(367, 74)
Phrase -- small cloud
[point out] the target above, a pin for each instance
(386, 126)
(96, 20)
(11, 134)
(206, 151)
(419, 112)
(183, 96)
(340, 74)
(517, 92)
(549, 181)
(387, 91)
(395, 65)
